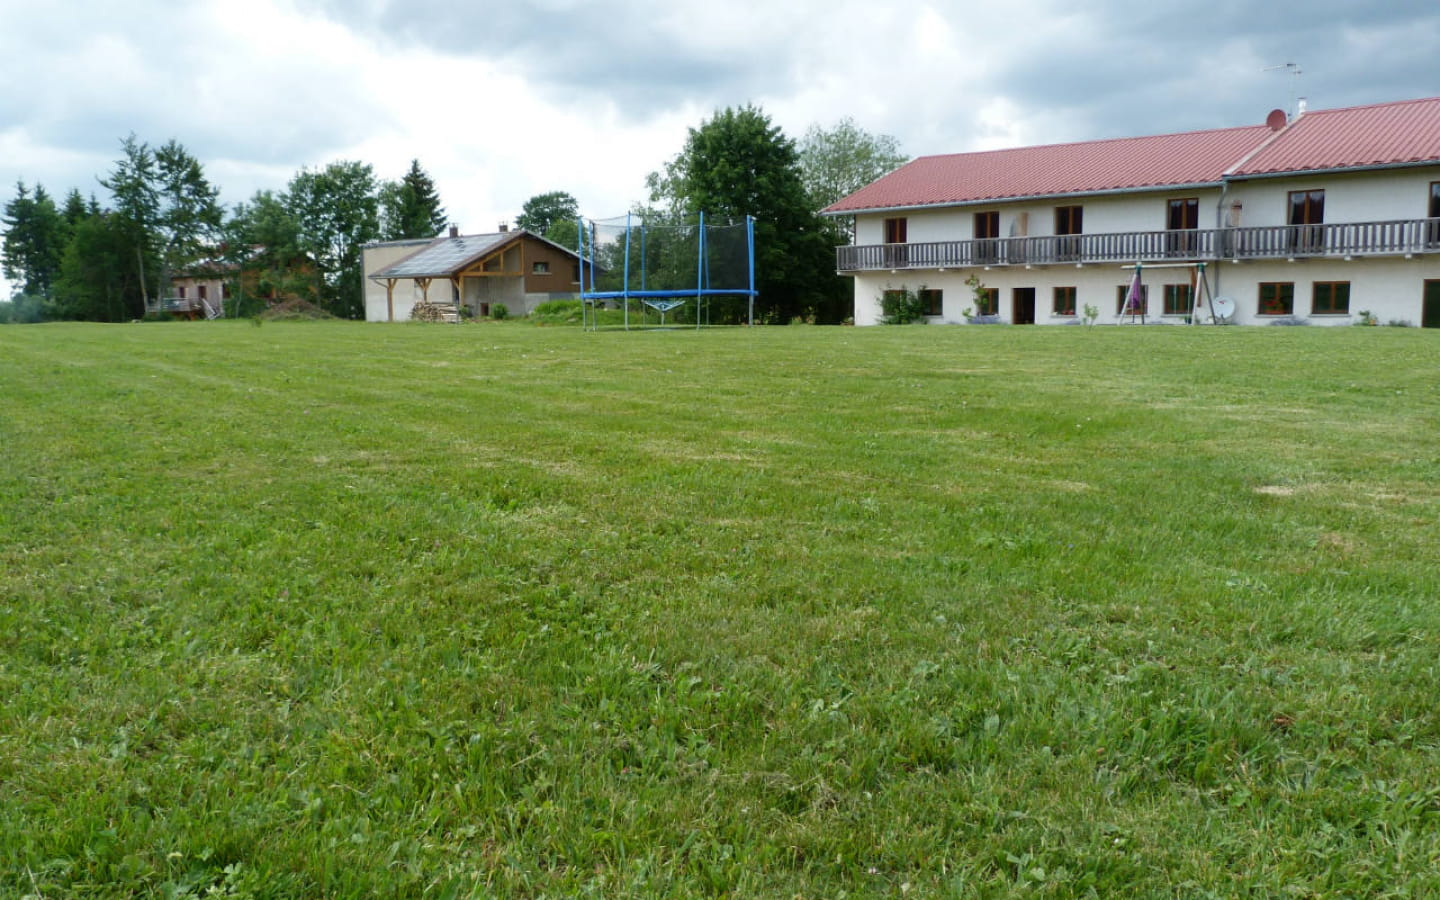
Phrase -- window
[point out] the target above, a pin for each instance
(896, 257)
(1307, 207)
(931, 301)
(1179, 300)
(1069, 221)
(1184, 213)
(1182, 217)
(987, 301)
(1432, 233)
(201, 292)
(1064, 301)
(1330, 298)
(540, 268)
(1307, 213)
(180, 292)
(1122, 294)
(1277, 298)
(987, 229)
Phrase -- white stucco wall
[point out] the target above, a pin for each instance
(1389, 288)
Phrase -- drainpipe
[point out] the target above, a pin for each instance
(1220, 236)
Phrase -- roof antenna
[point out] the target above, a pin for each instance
(1293, 69)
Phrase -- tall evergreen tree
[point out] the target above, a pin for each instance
(134, 186)
(98, 280)
(410, 207)
(35, 235)
(190, 215)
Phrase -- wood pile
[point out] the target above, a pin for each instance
(435, 312)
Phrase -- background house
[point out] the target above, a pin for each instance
(1319, 217)
(516, 268)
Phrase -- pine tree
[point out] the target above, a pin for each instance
(35, 236)
(410, 207)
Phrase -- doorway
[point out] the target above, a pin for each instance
(1022, 302)
(1430, 314)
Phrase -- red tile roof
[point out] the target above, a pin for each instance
(1386, 134)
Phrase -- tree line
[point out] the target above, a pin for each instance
(79, 258)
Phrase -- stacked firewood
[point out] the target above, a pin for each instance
(426, 311)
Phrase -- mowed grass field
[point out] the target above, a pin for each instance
(337, 610)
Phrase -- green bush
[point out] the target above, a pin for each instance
(901, 306)
(558, 312)
(499, 311)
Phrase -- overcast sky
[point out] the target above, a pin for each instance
(501, 101)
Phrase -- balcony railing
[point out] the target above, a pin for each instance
(1267, 242)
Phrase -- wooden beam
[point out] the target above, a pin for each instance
(390, 298)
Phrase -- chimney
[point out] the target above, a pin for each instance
(1299, 107)
(504, 227)
(454, 231)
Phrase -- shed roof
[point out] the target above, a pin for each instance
(445, 256)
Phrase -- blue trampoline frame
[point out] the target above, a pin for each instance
(589, 298)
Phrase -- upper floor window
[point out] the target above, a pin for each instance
(895, 231)
(201, 292)
(180, 292)
(1307, 207)
(540, 268)
(1069, 220)
(1183, 213)
(987, 225)
(1435, 199)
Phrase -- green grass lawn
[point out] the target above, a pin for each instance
(337, 610)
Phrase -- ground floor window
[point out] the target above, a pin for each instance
(1277, 298)
(1178, 299)
(1330, 298)
(987, 301)
(931, 301)
(1064, 301)
(1122, 295)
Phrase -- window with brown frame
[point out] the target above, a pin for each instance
(1122, 294)
(1432, 231)
(987, 301)
(1330, 298)
(987, 229)
(932, 301)
(1277, 298)
(1306, 217)
(1064, 301)
(1069, 224)
(202, 292)
(1179, 300)
(895, 231)
(180, 292)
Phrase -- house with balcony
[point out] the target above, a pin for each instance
(1320, 217)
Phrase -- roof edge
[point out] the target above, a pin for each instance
(992, 201)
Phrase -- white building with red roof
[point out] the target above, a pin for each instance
(1318, 218)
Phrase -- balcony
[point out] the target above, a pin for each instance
(1393, 238)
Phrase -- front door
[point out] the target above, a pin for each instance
(1023, 302)
(1430, 315)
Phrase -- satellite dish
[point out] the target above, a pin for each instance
(1276, 120)
(1223, 307)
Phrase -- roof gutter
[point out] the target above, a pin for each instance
(1302, 173)
(991, 201)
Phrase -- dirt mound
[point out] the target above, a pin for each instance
(294, 309)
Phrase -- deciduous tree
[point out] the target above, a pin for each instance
(736, 164)
(338, 212)
(544, 210)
